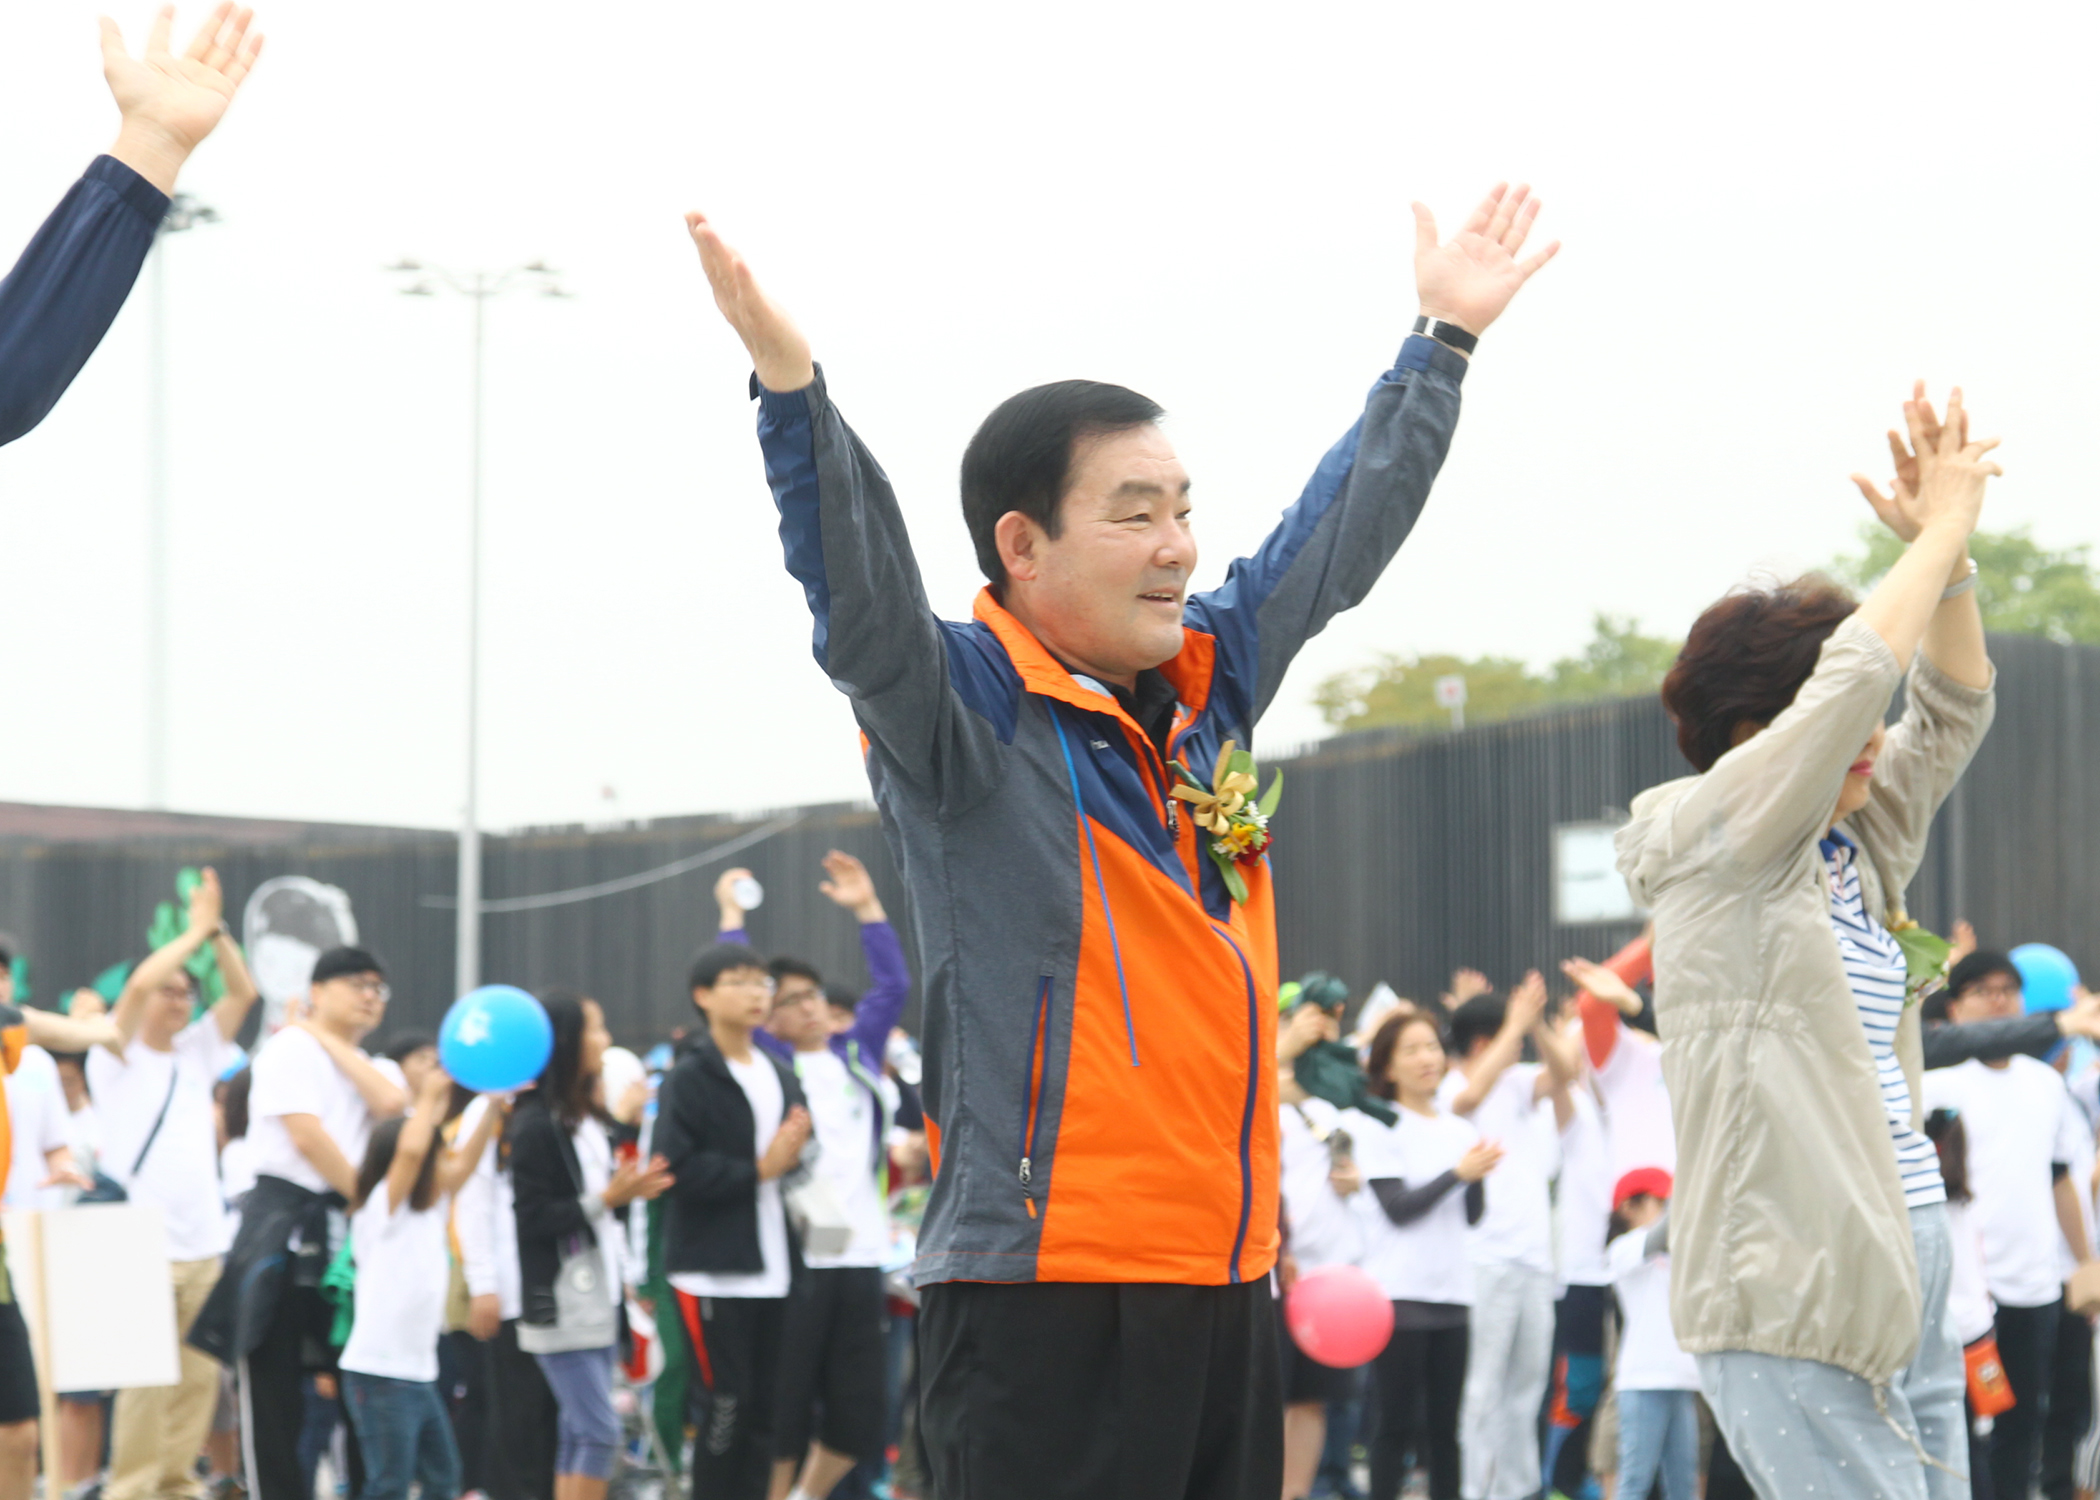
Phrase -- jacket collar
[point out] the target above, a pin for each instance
(1188, 670)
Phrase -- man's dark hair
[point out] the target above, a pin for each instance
(717, 959)
(340, 963)
(838, 997)
(1745, 659)
(1021, 457)
(1480, 1018)
(784, 968)
(1979, 966)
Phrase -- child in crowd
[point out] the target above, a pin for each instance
(1658, 1383)
(397, 1233)
(1422, 1180)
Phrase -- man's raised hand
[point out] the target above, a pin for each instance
(1469, 278)
(779, 352)
(171, 101)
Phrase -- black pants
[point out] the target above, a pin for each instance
(2070, 1404)
(463, 1383)
(733, 1346)
(2027, 1349)
(518, 1456)
(275, 1372)
(1421, 1382)
(1100, 1391)
(831, 1366)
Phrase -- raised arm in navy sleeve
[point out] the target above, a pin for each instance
(936, 699)
(1332, 545)
(64, 292)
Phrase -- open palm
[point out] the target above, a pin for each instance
(1469, 278)
(181, 95)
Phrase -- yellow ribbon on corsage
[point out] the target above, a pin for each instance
(1238, 826)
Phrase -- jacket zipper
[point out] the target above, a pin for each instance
(1038, 1074)
(1239, 1241)
(1115, 944)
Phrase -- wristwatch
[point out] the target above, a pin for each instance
(1447, 333)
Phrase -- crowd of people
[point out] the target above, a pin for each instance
(452, 1294)
(1813, 1216)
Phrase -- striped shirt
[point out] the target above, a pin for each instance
(1875, 968)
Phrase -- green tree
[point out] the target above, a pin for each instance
(1401, 690)
(2023, 588)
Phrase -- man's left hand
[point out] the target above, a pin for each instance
(1469, 278)
(171, 102)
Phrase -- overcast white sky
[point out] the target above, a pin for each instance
(1774, 217)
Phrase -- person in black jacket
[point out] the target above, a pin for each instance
(731, 1122)
(568, 1192)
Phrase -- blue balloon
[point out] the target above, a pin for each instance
(2047, 976)
(495, 1039)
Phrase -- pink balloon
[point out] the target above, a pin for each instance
(1338, 1316)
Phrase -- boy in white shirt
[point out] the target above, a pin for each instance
(153, 1093)
(313, 1102)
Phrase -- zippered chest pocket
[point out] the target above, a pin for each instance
(1032, 1089)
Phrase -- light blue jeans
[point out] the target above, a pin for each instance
(1800, 1427)
(1659, 1437)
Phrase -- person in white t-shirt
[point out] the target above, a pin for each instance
(519, 1455)
(1316, 1155)
(1657, 1382)
(1423, 1185)
(1627, 1065)
(153, 1098)
(1582, 1215)
(2023, 1133)
(312, 1102)
(1524, 1106)
(404, 1269)
(42, 1168)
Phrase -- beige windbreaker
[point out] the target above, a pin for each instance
(1788, 1231)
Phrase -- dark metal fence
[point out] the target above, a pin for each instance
(1398, 858)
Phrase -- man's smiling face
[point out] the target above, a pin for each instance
(1105, 594)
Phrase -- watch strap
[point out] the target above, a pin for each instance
(1447, 333)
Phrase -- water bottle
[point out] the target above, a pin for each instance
(747, 892)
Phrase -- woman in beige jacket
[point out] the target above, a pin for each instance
(1808, 1229)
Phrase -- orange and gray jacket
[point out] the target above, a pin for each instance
(1100, 1014)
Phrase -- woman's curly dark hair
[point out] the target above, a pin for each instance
(1746, 658)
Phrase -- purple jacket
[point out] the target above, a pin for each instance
(863, 1048)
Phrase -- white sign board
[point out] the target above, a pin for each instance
(1451, 692)
(94, 1287)
(1587, 886)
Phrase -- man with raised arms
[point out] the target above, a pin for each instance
(1100, 985)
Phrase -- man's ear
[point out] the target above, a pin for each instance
(1019, 540)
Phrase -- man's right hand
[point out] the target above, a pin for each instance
(779, 352)
(786, 1148)
(1604, 985)
(1527, 1002)
(484, 1316)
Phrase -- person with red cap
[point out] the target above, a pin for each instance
(1658, 1383)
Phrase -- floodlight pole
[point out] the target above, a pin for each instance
(478, 287)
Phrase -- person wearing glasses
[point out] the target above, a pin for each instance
(314, 1099)
(731, 1123)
